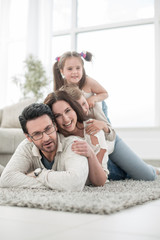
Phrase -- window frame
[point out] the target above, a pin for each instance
(74, 31)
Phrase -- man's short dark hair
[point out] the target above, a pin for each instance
(34, 111)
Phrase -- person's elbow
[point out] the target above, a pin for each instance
(106, 94)
(72, 186)
(99, 182)
(78, 187)
(78, 184)
(4, 181)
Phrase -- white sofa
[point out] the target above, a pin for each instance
(11, 133)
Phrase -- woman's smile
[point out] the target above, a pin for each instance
(67, 125)
(66, 117)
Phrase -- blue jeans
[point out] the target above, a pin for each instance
(105, 110)
(124, 163)
(115, 172)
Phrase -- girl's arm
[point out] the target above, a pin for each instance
(102, 123)
(95, 126)
(97, 175)
(93, 86)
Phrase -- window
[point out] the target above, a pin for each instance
(62, 14)
(99, 12)
(122, 35)
(58, 45)
(120, 65)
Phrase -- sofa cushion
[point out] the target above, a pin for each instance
(11, 113)
(10, 139)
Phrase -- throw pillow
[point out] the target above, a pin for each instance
(11, 113)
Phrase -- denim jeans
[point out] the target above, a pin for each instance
(105, 110)
(115, 172)
(124, 163)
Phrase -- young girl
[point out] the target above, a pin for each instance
(69, 68)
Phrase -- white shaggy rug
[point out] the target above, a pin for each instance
(113, 197)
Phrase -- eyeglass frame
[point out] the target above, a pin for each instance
(51, 126)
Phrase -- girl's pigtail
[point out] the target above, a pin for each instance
(86, 55)
(58, 81)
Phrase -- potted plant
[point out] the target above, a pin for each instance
(34, 80)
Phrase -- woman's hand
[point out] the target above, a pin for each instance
(97, 175)
(95, 126)
(82, 148)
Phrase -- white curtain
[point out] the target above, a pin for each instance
(4, 34)
(39, 34)
(40, 29)
(36, 40)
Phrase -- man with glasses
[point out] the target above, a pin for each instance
(44, 158)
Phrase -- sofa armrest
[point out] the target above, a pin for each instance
(1, 112)
(10, 138)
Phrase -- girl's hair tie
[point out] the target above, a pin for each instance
(83, 54)
(57, 59)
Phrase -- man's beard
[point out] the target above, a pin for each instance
(43, 147)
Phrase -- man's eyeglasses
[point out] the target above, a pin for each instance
(39, 135)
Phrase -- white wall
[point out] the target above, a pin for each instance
(145, 142)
